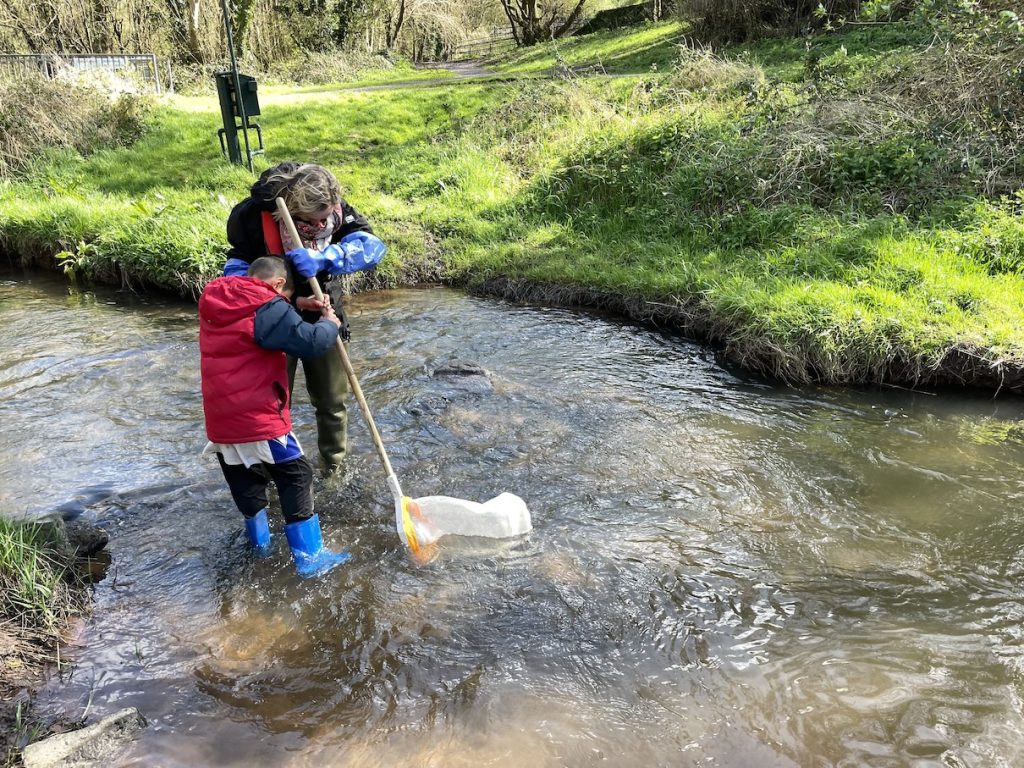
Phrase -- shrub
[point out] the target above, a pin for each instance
(37, 114)
(992, 234)
(310, 68)
(733, 21)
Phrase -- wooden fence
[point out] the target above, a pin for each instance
(500, 42)
(481, 49)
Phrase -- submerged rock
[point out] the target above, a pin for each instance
(448, 382)
(84, 499)
(93, 745)
(76, 539)
(460, 368)
(457, 377)
(84, 539)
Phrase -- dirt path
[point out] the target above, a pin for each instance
(463, 70)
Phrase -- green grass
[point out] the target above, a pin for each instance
(824, 238)
(637, 50)
(865, 49)
(35, 603)
(656, 47)
(34, 592)
(158, 209)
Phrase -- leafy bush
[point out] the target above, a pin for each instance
(195, 79)
(37, 114)
(991, 233)
(731, 21)
(310, 68)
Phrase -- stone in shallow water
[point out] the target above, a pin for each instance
(93, 745)
(84, 538)
(450, 381)
(460, 368)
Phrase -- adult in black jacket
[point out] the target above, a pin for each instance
(322, 217)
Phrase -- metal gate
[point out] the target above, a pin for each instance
(140, 67)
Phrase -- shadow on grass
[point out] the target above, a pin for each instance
(786, 58)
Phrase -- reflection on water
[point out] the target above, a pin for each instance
(721, 572)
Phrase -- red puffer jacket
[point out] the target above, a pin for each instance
(245, 387)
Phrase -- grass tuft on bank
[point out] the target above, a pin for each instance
(39, 594)
(33, 590)
(36, 600)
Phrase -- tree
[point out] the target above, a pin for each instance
(186, 17)
(241, 21)
(393, 21)
(59, 27)
(347, 14)
(532, 23)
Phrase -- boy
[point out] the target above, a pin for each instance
(247, 327)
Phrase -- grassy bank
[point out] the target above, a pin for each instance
(36, 600)
(789, 201)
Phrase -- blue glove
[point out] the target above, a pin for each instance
(356, 252)
(304, 261)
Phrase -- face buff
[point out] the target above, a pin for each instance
(313, 236)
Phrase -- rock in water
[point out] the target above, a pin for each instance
(460, 368)
(84, 538)
(94, 745)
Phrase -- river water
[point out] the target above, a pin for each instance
(722, 571)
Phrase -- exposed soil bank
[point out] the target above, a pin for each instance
(29, 652)
(961, 367)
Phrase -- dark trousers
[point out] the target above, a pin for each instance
(294, 481)
(327, 385)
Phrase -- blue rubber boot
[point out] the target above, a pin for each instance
(307, 546)
(258, 530)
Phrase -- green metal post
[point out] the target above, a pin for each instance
(238, 96)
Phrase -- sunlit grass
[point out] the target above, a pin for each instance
(652, 46)
(403, 72)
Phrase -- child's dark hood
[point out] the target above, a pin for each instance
(264, 192)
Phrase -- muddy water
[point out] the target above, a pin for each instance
(722, 572)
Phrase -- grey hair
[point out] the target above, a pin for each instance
(307, 189)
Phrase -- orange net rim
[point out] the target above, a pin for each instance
(420, 552)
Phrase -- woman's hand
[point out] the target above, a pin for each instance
(310, 304)
(329, 315)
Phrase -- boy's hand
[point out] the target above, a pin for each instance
(310, 304)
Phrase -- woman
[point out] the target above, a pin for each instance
(336, 239)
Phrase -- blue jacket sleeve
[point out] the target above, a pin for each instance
(236, 267)
(279, 327)
(353, 253)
